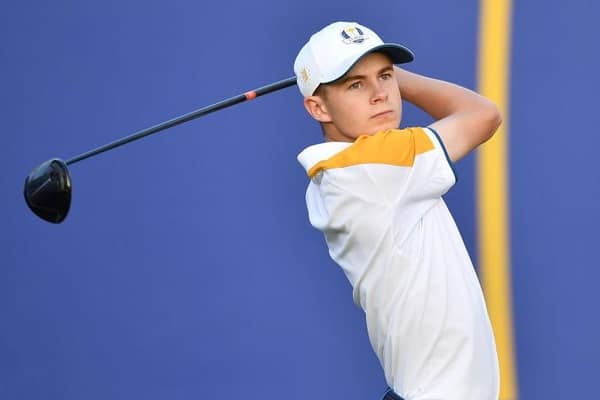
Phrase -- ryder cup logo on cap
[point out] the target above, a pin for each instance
(353, 34)
(335, 49)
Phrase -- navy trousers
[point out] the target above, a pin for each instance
(391, 395)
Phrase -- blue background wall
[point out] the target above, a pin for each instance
(187, 267)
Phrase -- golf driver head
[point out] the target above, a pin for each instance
(48, 190)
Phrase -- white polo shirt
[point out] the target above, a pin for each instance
(379, 203)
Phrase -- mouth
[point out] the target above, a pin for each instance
(383, 114)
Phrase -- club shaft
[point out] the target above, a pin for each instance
(187, 117)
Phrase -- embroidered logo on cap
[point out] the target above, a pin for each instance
(353, 34)
(304, 74)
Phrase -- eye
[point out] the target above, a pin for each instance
(385, 76)
(355, 85)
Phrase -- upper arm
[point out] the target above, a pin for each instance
(463, 131)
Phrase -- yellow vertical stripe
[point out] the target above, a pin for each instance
(492, 187)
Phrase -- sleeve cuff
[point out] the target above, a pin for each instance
(450, 163)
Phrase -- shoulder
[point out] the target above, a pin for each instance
(314, 154)
(397, 147)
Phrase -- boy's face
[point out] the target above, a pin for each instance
(364, 101)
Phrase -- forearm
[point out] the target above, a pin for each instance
(437, 98)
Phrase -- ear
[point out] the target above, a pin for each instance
(317, 108)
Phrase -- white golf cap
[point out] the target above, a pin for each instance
(335, 49)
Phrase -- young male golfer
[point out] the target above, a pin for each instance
(376, 191)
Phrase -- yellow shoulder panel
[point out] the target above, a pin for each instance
(393, 147)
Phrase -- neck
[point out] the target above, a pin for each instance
(332, 134)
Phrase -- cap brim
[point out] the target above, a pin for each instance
(397, 53)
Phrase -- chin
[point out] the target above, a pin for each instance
(384, 127)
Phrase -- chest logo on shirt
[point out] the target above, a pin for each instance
(353, 34)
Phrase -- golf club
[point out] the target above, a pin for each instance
(48, 187)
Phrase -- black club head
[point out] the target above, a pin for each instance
(48, 190)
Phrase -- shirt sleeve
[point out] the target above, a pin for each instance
(432, 173)
(438, 139)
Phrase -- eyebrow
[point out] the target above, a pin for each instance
(347, 78)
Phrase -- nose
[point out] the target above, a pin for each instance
(379, 94)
